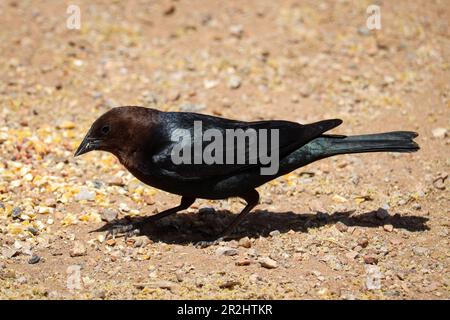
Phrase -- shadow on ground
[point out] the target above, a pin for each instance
(184, 228)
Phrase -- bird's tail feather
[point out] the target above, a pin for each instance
(397, 141)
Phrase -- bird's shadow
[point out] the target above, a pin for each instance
(185, 228)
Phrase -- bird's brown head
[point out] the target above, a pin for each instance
(114, 130)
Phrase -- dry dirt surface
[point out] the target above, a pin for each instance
(370, 226)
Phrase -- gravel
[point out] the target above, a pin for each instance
(237, 30)
(78, 249)
(243, 262)
(274, 233)
(226, 251)
(373, 277)
(268, 263)
(34, 259)
(341, 227)
(363, 242)
(420, 251)
(16, 212)
(9, 253)
(245, 242)
(370, 260)
(230, 284)
(163, 284)
(192, 107)
(110, 215)
(234, 82)
(439, 133)
(86, 195)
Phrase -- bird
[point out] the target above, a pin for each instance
(144, 140)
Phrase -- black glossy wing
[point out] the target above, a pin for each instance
(196, 146)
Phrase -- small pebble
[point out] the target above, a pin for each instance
(66, 125)
(230, 284)
(34, 259)
(116, 181)
(78, 249)
(99, 294)
(85, 194)
(420, 251)
(252, 253)
(173, 96)
(180, 275)
(237, 31)
(351, 255)
(109, 215)
(226, 251)
(338, 198)
(245, 242)
(111, 242)
(255, 278)
(388, 80)
(439, 133)
(268, 263)
(150, 98)
(305, 91)
(295, 99)
(16, 212)
(341, 226)
(192, 107)
(363, 242)
(22, 280)
(370, 260)
(124, 207)
(244, 262)
(33, 231)
(234, 82)
(373, 277)
(226, 103)
(274, 233)
(9, 253)
(364, 31)
(169, 10)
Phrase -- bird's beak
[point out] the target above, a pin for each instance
(88, 144)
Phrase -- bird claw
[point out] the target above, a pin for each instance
(207, 243)
(127, 230)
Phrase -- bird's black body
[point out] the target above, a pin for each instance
(216, 181)
(142, 140)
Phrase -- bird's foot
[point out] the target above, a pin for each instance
(127, 230)
(207, 243)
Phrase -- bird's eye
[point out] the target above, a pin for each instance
(106, 129)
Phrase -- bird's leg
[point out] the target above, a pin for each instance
(136, 228)
(252, 199)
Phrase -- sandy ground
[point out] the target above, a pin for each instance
(372, 226)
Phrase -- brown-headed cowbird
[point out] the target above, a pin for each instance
(192, 155)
